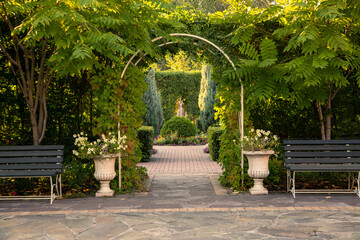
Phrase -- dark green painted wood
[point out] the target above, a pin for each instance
(322, 160)
(32, 160)
(31, 153)
(310, 142)
(324, 167)
(32, 147)
(322, 154)
(33, 173)
(321, 147)
(30, 166)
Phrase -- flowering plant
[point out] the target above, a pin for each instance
(259, 140)
(105, 146)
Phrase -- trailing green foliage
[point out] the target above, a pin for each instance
(154, 112)
(214, 134)
(173, 85)
(180, 126)
(230, 161)
(146, 138)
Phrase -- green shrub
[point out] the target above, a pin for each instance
(207, 99)
(214, 134)
(154, 112)
(181, 126)
(146, 138)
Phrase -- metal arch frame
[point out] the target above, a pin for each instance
(241, 113)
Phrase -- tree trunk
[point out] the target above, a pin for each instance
(328, 118)
(28, 64)
(321, 120)
(325, 124)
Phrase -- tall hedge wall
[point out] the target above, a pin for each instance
(173, 85)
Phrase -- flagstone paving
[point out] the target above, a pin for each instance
(184, 205)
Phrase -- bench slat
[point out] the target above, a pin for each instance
(30, 166)
(322, 154)
(31, 153)
(324, 167)
(322, 160)
(321, 142)
(32, 173)
(32, 160)
(321, 147)
(32, 147)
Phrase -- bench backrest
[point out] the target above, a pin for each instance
(36, 161)
(321, 151)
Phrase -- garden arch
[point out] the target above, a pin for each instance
(241, 113)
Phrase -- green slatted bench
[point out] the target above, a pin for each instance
(33, 161)
(322, 156)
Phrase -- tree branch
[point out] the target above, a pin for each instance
(336, 91)
(45, 116)
(287, 60)
(260, 29)
(41, 77)
(6, 18)
(12, 61)
(32, 62)
(266, 3)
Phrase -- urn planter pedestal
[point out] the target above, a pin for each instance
(105, 172)
(258, 169)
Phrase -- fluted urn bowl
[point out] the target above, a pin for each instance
(258, 169)
(105, 172)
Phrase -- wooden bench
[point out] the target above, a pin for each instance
(322, 156)
(33, 161)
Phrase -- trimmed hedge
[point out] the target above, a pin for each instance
(214, 134)
(146, 138)
(175, 84)
(180, 125)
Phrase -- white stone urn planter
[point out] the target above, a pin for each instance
(105, 172)
(258, 169)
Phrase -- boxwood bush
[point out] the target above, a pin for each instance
(214, 134)
(146, 138)
(183, 127)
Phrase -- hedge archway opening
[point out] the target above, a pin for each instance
(134, 62)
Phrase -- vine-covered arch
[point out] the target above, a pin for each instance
(241, 113)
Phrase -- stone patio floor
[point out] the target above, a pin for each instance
(185, 201)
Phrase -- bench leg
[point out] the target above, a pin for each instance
(293, 185)
(358, 185)
(60, 185)
(52, 195)
(288, 182)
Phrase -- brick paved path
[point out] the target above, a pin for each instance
(181, 160)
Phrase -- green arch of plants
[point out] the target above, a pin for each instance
(172, 85)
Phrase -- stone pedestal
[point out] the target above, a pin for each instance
(258, 169)
(105, 172)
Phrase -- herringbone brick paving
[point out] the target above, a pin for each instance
(181, 160)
